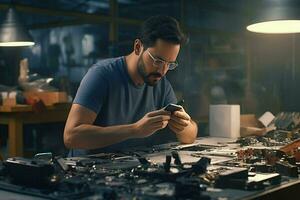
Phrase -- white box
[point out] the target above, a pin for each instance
(224, 121)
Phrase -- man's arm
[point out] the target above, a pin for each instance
(80, 132)
(185, 128)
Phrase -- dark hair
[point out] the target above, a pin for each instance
(161, 27)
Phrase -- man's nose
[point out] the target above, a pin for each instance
(163, 70)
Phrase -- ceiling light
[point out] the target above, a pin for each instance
(274, 16)
(12, 31)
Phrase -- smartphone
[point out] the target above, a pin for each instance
(171, 107)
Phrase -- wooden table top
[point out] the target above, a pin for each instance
(28, 108)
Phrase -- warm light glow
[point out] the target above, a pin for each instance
(16, 44)
(279, 26)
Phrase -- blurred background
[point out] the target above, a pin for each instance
(222, 63)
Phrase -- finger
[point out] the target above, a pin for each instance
(165, 123)
(161, 123)
(157, 128)
(182, 114)
(180, 121)
(158, 112)
(175, 128)
(177, 125)
(159, 118)
(158, 125)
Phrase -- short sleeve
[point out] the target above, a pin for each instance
(170, 96)
(92, 90)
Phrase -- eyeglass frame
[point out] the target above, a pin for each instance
(163, 62)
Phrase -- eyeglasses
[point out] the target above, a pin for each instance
(161, 63)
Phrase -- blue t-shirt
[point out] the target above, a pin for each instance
(108, 90)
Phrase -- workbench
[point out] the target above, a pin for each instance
(15, 117)
(112, 174)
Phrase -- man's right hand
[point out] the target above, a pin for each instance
(151, 122)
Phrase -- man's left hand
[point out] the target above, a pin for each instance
(179, 120)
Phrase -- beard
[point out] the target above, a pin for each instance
(147, 77)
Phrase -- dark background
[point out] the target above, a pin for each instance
(222, 63)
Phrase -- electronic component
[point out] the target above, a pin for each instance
(163, 172)
(286, 169)
(30, 172)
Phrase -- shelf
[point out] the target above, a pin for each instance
(220, 68)
(224, 52)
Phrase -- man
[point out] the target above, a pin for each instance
(122, 100)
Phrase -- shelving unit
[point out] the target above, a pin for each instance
(216, 73)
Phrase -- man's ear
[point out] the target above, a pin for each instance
(138, 47)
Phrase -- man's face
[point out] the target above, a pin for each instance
(162, 50)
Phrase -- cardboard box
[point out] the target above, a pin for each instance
(9, 98)
(249, 120)
(9, 102)
(250, 125)
(48, 98)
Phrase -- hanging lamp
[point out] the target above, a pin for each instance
(12, 32)
(276, 16)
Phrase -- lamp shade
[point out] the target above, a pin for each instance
(12, 32)
(276, 16)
